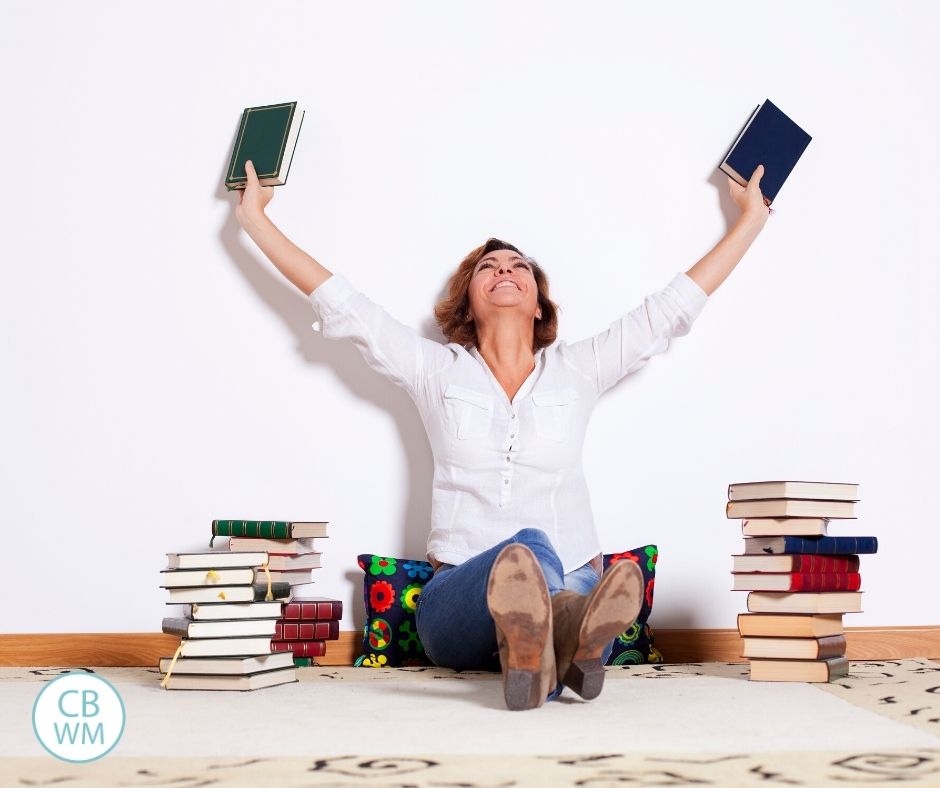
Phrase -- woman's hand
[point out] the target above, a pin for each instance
(253, 198)
(749, 199)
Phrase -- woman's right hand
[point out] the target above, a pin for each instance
(253, 198)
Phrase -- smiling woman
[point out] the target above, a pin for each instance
(517, 582)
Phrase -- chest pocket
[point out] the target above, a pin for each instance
(469, 413)
(553, 412)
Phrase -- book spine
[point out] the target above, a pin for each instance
(307, 630)
(313, 611)
(816, 564)
(261, 529)
(831, 647)
(300, 648)
(830, 545)
(833, 581)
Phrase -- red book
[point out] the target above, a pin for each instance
(306, 630)
(314, 608)
(797, 562)
(797, 581)
(300, 648)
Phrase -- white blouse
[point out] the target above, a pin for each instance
(502, 465)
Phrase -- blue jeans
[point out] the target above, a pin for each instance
(453, 620)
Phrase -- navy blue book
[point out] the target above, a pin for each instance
(810, 545)
(770, 138)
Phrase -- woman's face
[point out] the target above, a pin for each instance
(502, 280)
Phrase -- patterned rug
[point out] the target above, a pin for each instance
(879, 726)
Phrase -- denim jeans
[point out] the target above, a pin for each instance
(453, 620)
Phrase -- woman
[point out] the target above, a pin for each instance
(517, 561)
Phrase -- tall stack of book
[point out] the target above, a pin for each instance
(245, 629)
(801, 580)
(227, 638)
(292, 556)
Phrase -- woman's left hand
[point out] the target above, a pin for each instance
(749, 199)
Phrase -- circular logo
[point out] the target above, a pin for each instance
(78, 717)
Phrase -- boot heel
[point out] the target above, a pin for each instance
(586, 677)
(522, 690)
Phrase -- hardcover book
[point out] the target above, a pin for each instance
(300, 648)
(813, 491)
(183, 578)
(226, 647)
(314, 608)
(797, 581)
(821, 545)
(307, 630)
(794, 648)
(271, 546)
(267, 135)
(269, 529)
(199, 596)
(253, 681)
(785, 526)
(227, 666)
(187, 628)
(238, 610)
(770, 138)
(819, 671)
(813, 564)
(804, 602)
(790, 626)
(215, 559)
(788, 507)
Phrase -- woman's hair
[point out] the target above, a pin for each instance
(451, 311)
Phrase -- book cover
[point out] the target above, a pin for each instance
(312, 609)
(797, 581)
(769, 138)
(300, 648)
(306, 630)
(811, 564)
(267, 135)
(820, 545)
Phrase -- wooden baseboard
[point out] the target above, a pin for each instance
(137, 649)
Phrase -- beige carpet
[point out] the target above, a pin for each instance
(654, 725)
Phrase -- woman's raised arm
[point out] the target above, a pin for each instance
(298, 267)
(709, 272)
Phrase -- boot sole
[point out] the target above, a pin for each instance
(518, 600)
(614, 605)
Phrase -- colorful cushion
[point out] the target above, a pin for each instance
(391, 588)
(635, 645)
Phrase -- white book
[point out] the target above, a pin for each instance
(226, 647)
(269, 678)
(190, 578)
(247, 627)
(817, 491)
(229, 666)
(238, 610)
(215, 559)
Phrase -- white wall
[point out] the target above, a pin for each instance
(158, 373)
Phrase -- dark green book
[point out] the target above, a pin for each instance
(269, 529)
(267, 136)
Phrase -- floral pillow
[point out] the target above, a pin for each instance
(392, 585)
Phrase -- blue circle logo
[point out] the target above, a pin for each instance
(78, 717)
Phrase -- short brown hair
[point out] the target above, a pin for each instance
(452, 310)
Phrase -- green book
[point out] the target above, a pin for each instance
(269, 529)
(304, 662)
(267, 136)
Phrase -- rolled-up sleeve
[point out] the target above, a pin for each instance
(640, 334)
(394, 350)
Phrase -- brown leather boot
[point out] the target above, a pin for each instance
(584, 625)
(517, 597)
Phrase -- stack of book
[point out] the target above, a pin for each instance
(227, 637)
(801, 580)
(244, 628)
